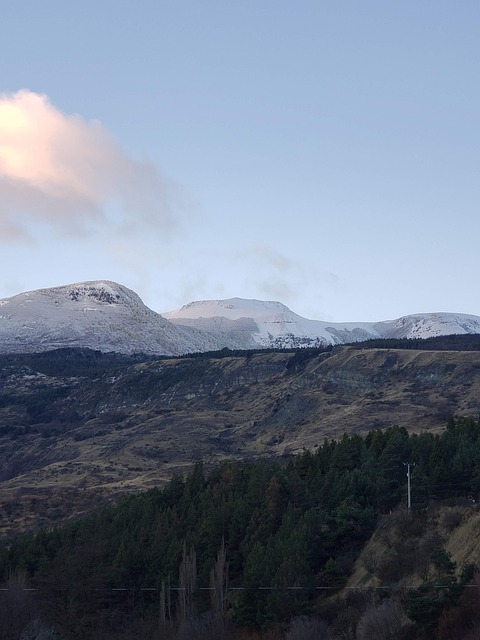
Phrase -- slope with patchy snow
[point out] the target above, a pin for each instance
(107, 316)
(99, 315)
(272, 324)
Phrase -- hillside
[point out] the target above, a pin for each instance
(95, 426)
(320, 546)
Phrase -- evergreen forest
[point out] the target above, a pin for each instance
(263, 549)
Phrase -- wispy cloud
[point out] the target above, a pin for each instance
(272, 273)
(66, 172)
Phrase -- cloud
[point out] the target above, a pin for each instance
(69, 173)
(273, 258)
(270, 272)
(274, 275)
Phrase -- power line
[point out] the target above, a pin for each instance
(254, 588)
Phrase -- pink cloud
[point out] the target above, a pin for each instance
(64, 171)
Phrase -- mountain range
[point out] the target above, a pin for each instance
(109, 317)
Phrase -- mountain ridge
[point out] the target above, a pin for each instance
(109, 317)
(279, 327)
(98, 314)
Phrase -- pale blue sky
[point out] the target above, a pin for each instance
(324, 154)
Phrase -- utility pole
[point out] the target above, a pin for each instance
(409, 486)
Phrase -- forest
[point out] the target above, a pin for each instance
(263, 549)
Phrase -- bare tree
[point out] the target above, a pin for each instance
(218, 591)
(37, 630)
(387, 621)
(17, 609)
(187, 578)
(304, 628)
(165, 616)
(423, 552)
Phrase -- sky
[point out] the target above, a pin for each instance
(324, 154)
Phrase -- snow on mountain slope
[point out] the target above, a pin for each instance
(426, 325)
(272, 324)
(107, 316)
(99, 315)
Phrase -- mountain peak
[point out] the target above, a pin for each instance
(99, 314)
(232, 308)
(101, 291)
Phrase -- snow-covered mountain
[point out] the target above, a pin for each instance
(99, 315)
(107, 316)
(272, 324)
